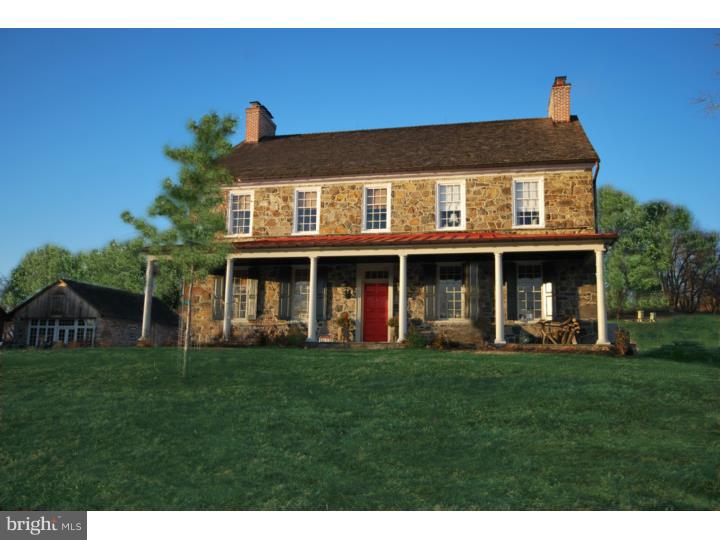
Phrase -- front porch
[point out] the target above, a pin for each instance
(468, 294)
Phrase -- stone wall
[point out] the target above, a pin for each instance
(122, 333)
(569, 205)
(575, 289)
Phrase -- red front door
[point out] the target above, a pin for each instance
(375, 301)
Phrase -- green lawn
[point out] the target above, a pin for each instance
(688, 338)
(401, 429)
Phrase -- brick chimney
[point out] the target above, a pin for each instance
(258, 122)
(559, 105)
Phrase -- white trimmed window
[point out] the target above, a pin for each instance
(450, 205)
(450, 293)
(240, 295)
(528, 203)
(300, 290)
(240, 210)
(46, 331)
(376, 208)
(307, 211)
(529, 291)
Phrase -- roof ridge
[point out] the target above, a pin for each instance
(415, 126)
(98, 286)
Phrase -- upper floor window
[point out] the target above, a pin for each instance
(307, 211)
(376, 208)
(240, 209)
(450, 210)
(528, 202)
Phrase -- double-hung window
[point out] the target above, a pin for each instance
(300, 290)
(376, 208)
(240, 209)
(240, 295)
(450, 207)
(450, 291)
(307, 211)
(529, 291)
(528, 203)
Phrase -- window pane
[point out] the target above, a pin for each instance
(450, 292)
(240, 297)
(450, 205)
(529, 292)
(306, 211)
(376, 208)
(240, 214)
(300, 295)
(527, 203)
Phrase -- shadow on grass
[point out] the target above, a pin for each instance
(686, 351)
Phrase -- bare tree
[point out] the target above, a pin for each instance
(694, 261)
(710, 100)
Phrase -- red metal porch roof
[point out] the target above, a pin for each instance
(389, 239)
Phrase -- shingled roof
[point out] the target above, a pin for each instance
(418, 149)
(119, 304)
(113, 303)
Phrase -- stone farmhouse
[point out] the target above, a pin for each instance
(442, 228)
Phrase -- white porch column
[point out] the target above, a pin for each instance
(499, 307)
(600, 293)
(227, 313)
(312, 300)
(402, 299)
(146, 332)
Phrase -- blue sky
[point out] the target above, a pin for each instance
(85, 113)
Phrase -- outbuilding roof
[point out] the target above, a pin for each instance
(113, 303)
(418, 149)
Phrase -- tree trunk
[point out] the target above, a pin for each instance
(188, 325)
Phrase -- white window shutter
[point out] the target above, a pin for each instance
(547, 296)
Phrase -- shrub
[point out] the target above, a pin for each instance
(346, 325)
(442, 342)
(414, 339)
(295, 337)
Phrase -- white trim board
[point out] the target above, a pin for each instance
(595, 245)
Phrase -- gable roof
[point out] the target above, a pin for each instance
(418, 149)
(113, 303)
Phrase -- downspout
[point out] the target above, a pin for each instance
(595, 175)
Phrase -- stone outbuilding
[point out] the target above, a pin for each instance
(74, 313)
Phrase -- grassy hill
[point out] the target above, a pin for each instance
(400, 429)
